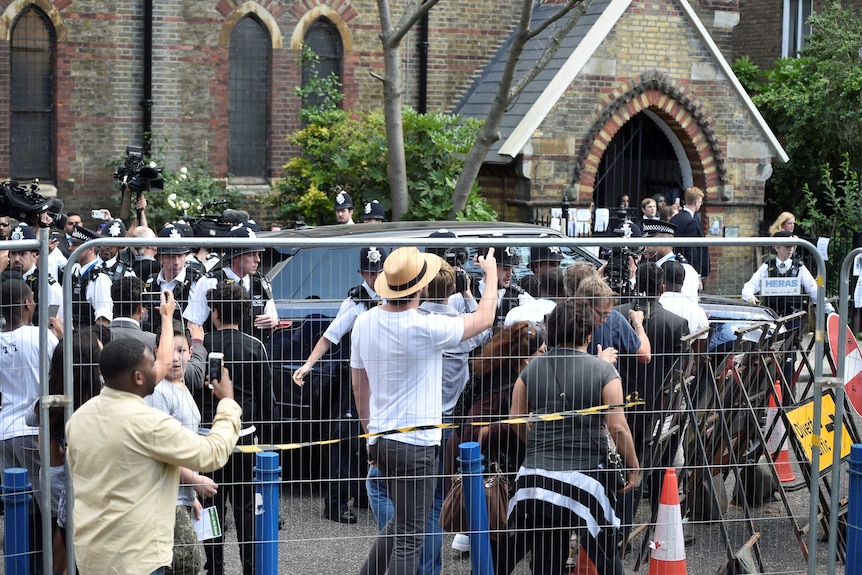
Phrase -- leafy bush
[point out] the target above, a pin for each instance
(349, 151)
(189, 191)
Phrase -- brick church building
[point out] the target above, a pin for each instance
(639, 99)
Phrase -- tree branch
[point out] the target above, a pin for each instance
(508, 90)
(577, 9)
(559, 14)
(411, 15)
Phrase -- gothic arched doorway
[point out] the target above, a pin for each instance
(644, 158)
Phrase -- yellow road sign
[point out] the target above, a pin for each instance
(802, 425)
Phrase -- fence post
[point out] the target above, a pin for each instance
(854, 512)
(477, 507)
(267, 479)
(17, 495)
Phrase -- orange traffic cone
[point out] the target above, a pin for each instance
(782, 461)
(668, 547)
(583, 565)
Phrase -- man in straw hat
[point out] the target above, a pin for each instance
(396, 363)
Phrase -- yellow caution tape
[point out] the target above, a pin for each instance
(632, 400)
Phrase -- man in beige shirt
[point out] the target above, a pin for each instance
(125, 460)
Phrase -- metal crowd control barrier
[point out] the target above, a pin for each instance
(819, 381)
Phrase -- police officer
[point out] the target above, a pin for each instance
(373, 213)
(240, 265)
(783, 264)
(176, 275)
(111, 263)
(24, 262)
(91, 290)
(542, 258)
(510, 295)
(343, 207)
(344, 463)
(661, 254)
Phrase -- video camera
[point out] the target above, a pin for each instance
(457, 257)
(618, 271)
(210, 225)
(25, 204)
(133, 174)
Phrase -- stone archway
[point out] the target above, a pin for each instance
(673, 104)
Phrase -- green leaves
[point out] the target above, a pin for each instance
(349, 150)
(814, 103)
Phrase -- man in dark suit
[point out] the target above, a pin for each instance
(688, 225)
(665, 331)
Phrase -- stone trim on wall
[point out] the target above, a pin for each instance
(262, 14)
(339, 20)
(14, 9)
(675, 105)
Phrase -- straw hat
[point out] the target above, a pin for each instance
(405, 272)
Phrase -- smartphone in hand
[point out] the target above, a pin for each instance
(215, 363)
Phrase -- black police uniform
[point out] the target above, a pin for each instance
(347, 461)
(784, 305)
(259, 294)
(248, 364)
(33, 283)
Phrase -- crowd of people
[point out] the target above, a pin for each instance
(150, 444)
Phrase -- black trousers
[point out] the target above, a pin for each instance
(235, 484)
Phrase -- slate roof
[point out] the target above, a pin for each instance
(477, 100)
(529, 110)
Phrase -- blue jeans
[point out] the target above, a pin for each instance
(431, 559)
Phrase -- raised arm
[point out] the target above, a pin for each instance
(483, 318)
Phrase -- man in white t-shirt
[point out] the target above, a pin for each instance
(396, 366)
(19, 379)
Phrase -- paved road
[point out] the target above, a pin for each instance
(312, 545)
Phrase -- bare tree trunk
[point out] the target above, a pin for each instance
(509, 91)
(391, 36)
(396, 167)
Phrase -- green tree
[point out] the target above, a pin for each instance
(814, 103)
(189, 191)
(345, 151)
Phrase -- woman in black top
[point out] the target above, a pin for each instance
(564, 483)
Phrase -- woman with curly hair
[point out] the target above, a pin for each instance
(494, 372)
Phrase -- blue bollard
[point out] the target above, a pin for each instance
(17, 494)
(267, 480)
(854, 513)
(477, 507)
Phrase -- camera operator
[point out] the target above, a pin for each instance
(462, 300)
(622, 263)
